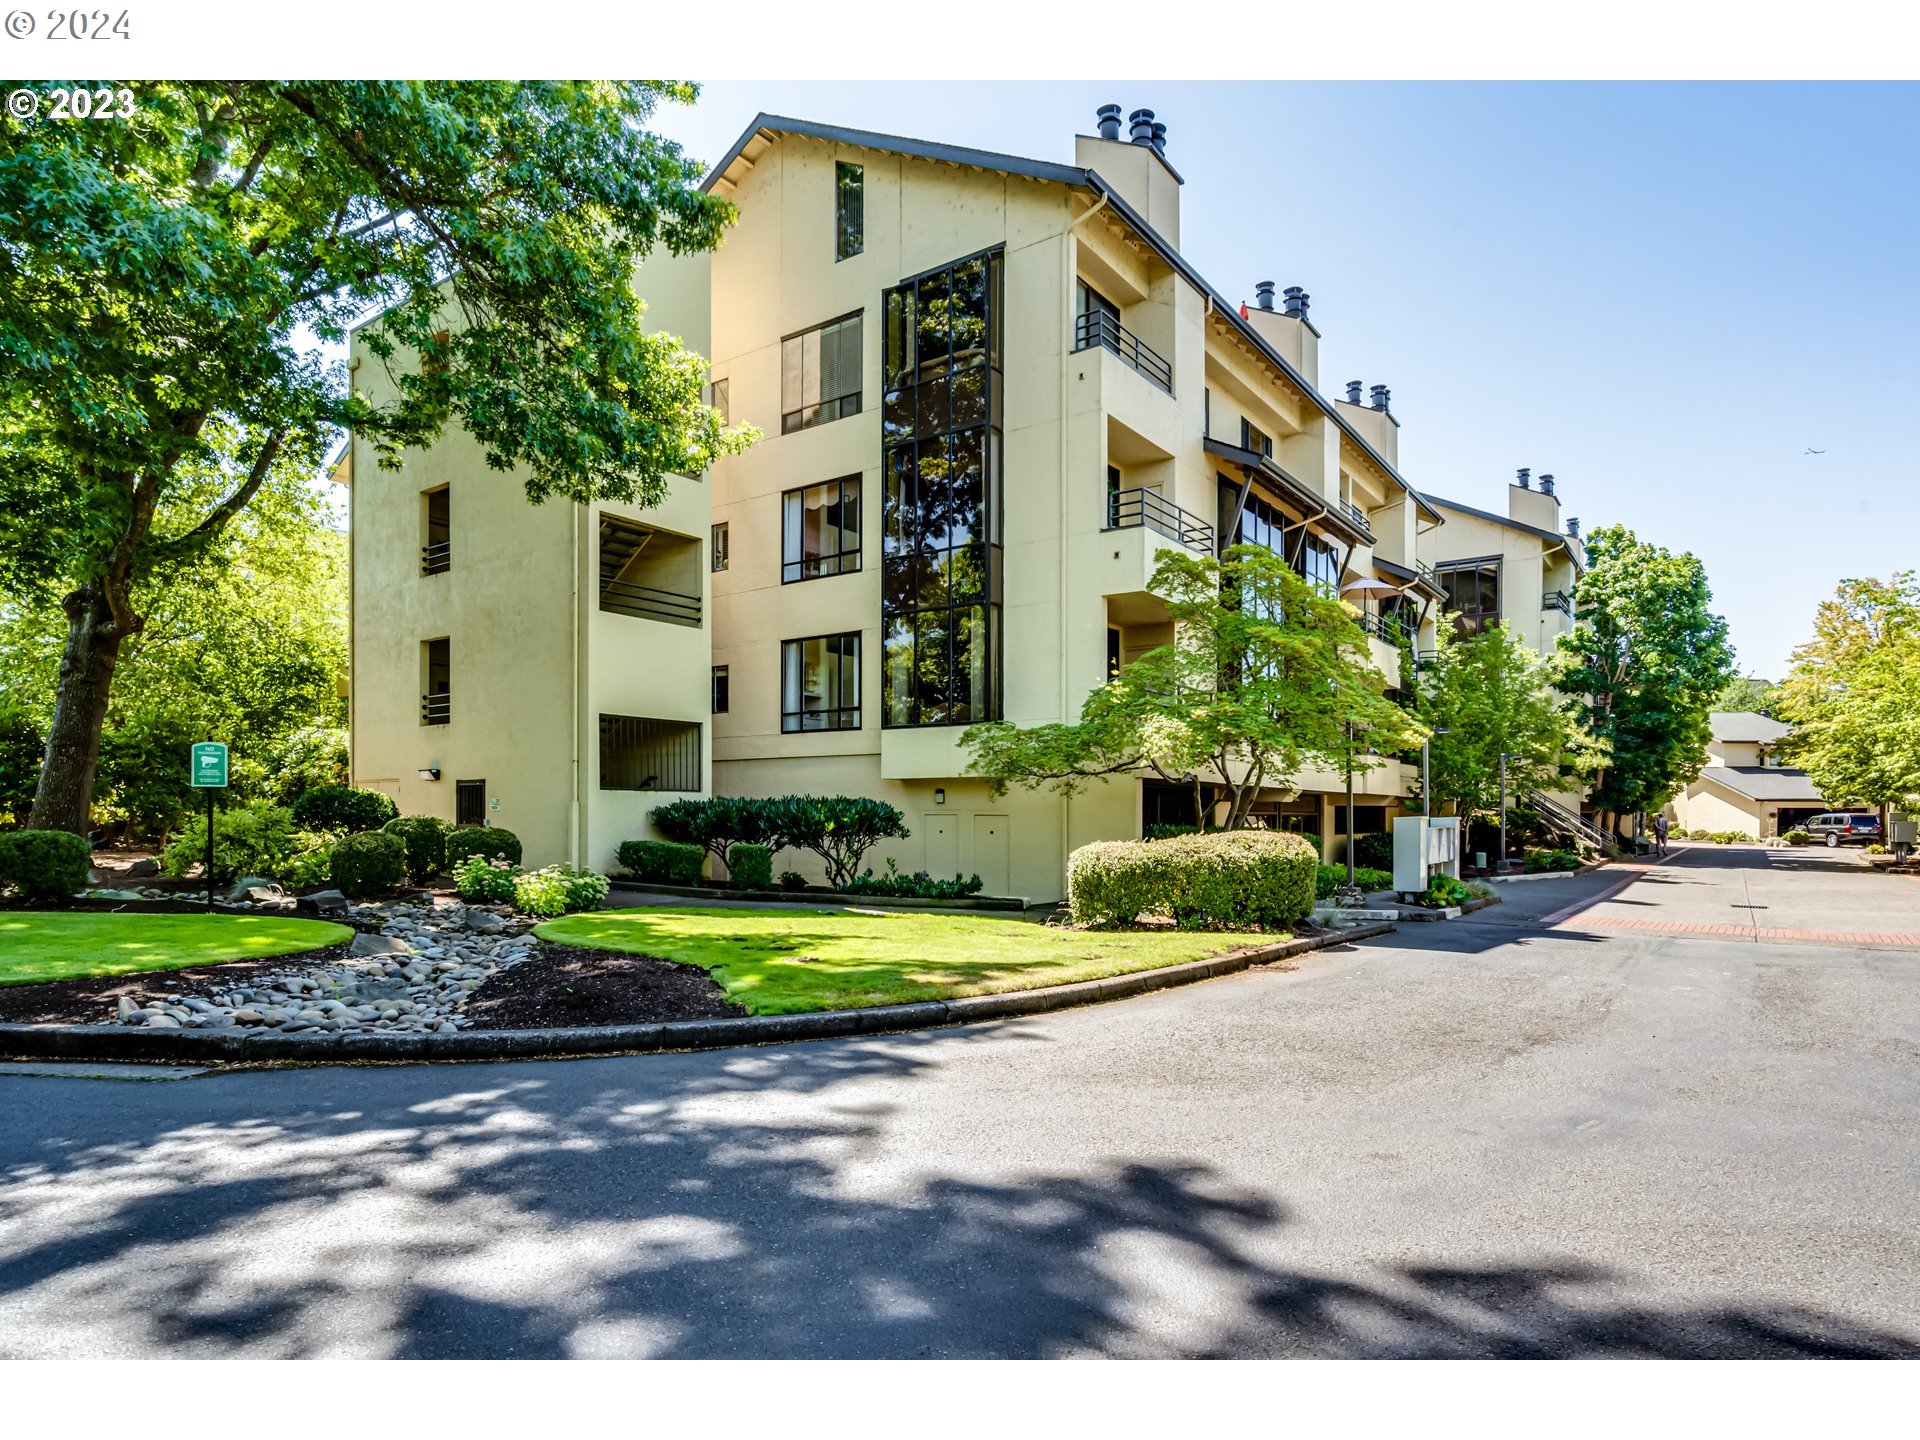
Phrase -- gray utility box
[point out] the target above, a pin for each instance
(1423, 844)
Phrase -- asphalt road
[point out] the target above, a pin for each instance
(1510, 1135)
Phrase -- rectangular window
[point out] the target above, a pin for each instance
(820, 683)
(721, 692)
(723, 401)
(849, 211)
(637, 753)
(820, 374)
(1113, 652)
(1206, 413)
(1252, 437)
(720, 546)
(1320, 564)
(436, 555)
(469, 802)
(436, 687)
(940, 496)
(820, 530)
(1473, 593)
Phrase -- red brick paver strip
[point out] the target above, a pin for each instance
(1754, 932)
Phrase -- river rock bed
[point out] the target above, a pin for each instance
(413, 973)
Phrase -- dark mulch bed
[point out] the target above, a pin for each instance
(569, 985)
(92, 1001)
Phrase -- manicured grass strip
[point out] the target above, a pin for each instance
(68, 945)
(781, 962)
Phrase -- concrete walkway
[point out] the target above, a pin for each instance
(1509, 1134)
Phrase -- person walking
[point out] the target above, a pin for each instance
(1660, 834)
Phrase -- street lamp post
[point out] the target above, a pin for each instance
(1501, 867)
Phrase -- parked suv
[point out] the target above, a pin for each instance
(1841, 828)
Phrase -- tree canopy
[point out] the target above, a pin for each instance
(170, 285)
(1747, 693)
(1853, 695)
(1643, 665)
(1263, 677)
(1490, 694)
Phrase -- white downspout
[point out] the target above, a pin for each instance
(576, 816)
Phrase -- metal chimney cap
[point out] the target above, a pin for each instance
(1108, 117)
(1526, 477)
(1573, 526)
(1159, 139)
(1263, 294)
(1380, 396)
(1297, 300)
(1546, 484)
(1140, 127)
(1354, 388)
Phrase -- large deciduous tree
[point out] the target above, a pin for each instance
(1263, 677)
(1643, 665)
(170, 285)
(1853, 695)
(1489, 695)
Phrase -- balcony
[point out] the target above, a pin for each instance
(436, 709)
(1359, 518)
(1098, 329)
(1558, 600)
(436, 559)
(1128, 508)
(622, 597)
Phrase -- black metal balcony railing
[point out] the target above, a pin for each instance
(1098, 328)
(436, 709)
(1557, 600)
(436, 559)
(1358, 516)
(623, 598)
(1128, 508)
(1389, 628)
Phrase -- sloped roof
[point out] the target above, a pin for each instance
(1756, 782)
(1747, 727)
(1576, 551)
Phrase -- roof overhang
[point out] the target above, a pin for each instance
(1313, 506)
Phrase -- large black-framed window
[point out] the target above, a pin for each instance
(1473, 593)
(849, 210)
(820, 530)
(940, 502)
(820, 374)
(820, 683)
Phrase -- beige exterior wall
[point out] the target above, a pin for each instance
(1705, 806)
(1527, 572)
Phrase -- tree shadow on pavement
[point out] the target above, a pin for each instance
(687, 1206)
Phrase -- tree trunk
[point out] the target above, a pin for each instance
(64, 799)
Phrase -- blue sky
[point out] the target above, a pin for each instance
(1663, 295)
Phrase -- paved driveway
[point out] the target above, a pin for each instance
(1525, 1133)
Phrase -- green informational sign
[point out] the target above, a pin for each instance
(208, 769)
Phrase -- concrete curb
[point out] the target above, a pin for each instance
(119, 1042)
(1004, 904)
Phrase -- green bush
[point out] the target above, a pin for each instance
(1875, 848)
(485, 881)
(1227, 880)
(1443, 890)
(1170, 832)
(840, 829)
(917, 886)
(1540, 861)
(661, 862)
(426, 841)
(1481, 890)
(44, 864)
(247, 840)
(367, 863)
(1331, 877)
(792, 880)
(1731, 837)
(718, 822)
(751, 866)
(1699, 834)
(311, 865)
(1796, 836)
(488, 840)
(1375, 851)
(342, 809)
(558, 890)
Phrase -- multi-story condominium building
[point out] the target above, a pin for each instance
(991, 392)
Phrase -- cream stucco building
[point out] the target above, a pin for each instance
(1744, 786)
(991, 391)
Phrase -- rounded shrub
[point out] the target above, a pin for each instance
(367, 863)
(426, 842)
(247, 840)
(751, 866)
(484, 881)
(558, 890)
(44, 864)
(661, 862)
(340, 808)
(1225, 880)
(488, 840)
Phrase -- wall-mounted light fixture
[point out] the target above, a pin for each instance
(939, 797)
(430, 773)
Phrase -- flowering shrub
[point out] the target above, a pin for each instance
(1225, 880)
(485, 881)
(558, 890)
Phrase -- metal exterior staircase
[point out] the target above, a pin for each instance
(1564, 822)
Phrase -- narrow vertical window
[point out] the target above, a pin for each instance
(720, 546)
(722, 693)
(436, 555)
(849, 211)
(722, 401)
(436, 682)
(469, 802)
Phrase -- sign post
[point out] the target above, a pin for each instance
(207, 770)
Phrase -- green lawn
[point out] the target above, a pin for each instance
(67, 945)
(778, 962)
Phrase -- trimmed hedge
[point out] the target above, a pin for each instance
(1540, 862)
(367, 863)
(44, 864)
(1330, 878)
(1225, 880)
(751, 866)
(488, 840)
(665, 862)
(426, 840)
(340, 808)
